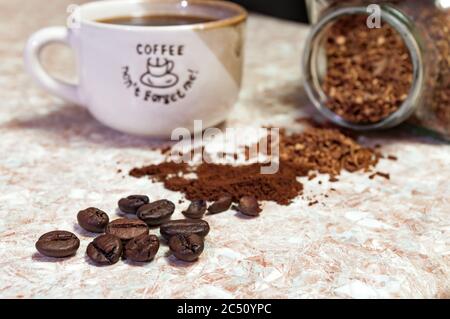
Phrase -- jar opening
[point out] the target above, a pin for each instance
(316, 68)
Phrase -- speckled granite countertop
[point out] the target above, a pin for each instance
(370, 238)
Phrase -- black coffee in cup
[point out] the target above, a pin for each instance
(157, 20)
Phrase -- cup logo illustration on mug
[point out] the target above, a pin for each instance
(159, 74)
(149, 79)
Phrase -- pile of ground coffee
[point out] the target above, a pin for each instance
(319, 150)
(325, 151)
(215, 180)
(369, 71)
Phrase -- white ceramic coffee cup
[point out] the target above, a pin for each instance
(121, 67)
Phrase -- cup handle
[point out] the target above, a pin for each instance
(33, 49)
(171, 65)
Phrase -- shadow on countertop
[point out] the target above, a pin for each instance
(70, 123)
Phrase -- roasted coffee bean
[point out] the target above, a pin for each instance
(126, 228)
(58, 243)
(221, 205)
(156, 213)
(131, 204)
(142, 248)
(249, 206)
(105, 249)
(196, 209)
(186, 248)
(93, 219)
(184, 227)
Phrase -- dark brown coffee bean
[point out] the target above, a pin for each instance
(126, 228)
(186, 248)
(105, 249)
(142, 248)
(93, 219)
(249, 206)
(221, 205)
(58, 243)
(156, 213)
(196, 209)
(131, 204)
(184, 227)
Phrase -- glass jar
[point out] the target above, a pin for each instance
(424, 28)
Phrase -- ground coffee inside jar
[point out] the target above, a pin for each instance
(377, 75)
(369, 71)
